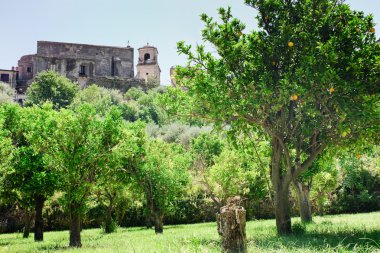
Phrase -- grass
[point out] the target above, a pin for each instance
(338, 233)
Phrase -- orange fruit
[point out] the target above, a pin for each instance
(358, 156)
(372, 30)
(290, 44)
(294, 97)
(332, 89)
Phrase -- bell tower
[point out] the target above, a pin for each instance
(147, 66)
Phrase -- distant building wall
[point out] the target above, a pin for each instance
(78, 62)
(9, 76)
(147, 66)
(25, 68)
(108, 61)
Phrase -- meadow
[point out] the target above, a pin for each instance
(335, 233)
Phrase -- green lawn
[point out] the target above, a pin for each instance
(338, 233)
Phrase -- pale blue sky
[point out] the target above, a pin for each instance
(162, 23)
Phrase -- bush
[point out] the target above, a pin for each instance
(7, 93)
(299, 228)
(112, 227)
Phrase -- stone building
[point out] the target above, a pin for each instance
(107, 66)
(9, 76)
(147, 66)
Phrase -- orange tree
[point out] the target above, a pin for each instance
(307, 78)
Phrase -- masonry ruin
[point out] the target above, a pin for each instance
(107, 66)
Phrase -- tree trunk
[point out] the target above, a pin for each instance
(158, 219)
(303, 192)
(282, 210)
(281, 182)
(148, 218)
(27, 223)
(231, 226)
(108, 222)
(39, 222)
(75, 228)
(149, 207)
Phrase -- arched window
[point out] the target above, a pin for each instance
(146, 57)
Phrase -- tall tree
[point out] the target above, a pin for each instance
(31, 180)
(80, 148)
(51, 86)
(307, 78)
(163, 177)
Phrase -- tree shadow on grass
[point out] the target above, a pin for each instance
(10, 241)
(174, 226)
(209, 243)
(317, 241)
(359, 240)
(53, 247)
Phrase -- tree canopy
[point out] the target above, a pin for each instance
(51, 86)
(306, 79)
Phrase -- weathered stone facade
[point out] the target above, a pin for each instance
(86, 64)
(147, 66)
(9, 76)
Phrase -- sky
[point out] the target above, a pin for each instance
(161, 23)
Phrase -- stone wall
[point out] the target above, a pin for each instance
(110, 67)
(25, 68)
(108, 61)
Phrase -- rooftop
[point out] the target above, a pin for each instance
(79, 44)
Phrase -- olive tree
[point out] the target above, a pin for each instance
(102, 99)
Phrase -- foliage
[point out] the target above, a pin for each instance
(299, 228)
(152, 82)
(164, 173)
(29, 175)
(82, 147)
(50, 86)
(307, 79)
(359, 183)
(224, 171)
(234, 174)
(102, 99)
(324, 176)
(145, 106)
(6, 147)
(7, 93)
(176, 132)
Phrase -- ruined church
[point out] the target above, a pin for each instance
(107, 66)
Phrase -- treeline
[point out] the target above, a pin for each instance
(73, 159)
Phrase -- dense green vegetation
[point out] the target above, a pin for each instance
(338, 233)
(6, 93)
(275, 119)
(306, 81)
(96, 164)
